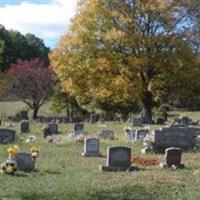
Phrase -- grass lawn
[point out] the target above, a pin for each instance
(63, 174)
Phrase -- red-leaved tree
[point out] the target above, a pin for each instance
(32, 83)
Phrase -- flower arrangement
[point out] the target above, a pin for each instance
(12, 151)
(80, 138)
(9, 167)
(35, 152)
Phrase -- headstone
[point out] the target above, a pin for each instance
(137, 122)
(93, 118)
(141, 134)
(25, 162)
(91, 147)
(160, 121)
(7, 136)
(24, 114)
(174, 136)
(53, 128)
(173, 156)
(50, 129)
(78, 128)
(101, 120)
(130, 134)
(118, 159)
(106, 134)
(24, 126)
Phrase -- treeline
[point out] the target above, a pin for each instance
(15, 46)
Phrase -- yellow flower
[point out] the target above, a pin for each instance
(13, 150)
(34, 149)
(9, 169)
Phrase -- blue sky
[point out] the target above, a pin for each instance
(47, 19)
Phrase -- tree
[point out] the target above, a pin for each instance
(31, 83)
(61, 101)
(14, 46)
(126, 50)
(4, 82)
(37, 48)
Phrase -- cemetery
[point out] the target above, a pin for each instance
(99, 100)
(101, 161)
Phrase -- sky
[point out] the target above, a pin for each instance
(47, 19)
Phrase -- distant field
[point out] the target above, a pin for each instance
(12, 107)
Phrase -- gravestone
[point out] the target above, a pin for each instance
(160, 121)
(7, 136)
(93, 118)
(141, 134)
(174, 136)
(50, 129)
(130, 134)
(137, 122)
(25, 162)
(173, 156)
(24, 126)
(106, 134)
(53, 127)
(78, 128)
(91, 147)
(118, 159)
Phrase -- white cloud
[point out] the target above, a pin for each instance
(47, 21)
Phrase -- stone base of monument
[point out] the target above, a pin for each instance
(116, 169)
(164, 165)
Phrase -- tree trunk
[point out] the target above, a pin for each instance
(147, 103)
(35, 112)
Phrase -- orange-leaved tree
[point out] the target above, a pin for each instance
(126, 50)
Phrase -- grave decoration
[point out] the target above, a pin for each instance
(18, 160)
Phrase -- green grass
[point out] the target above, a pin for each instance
(63, 174)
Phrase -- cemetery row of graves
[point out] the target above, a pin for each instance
(136, 150)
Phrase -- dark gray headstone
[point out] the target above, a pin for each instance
(91, 147)
(118, 159)
(106, 134)
(160, 121)
(25, 162)
(53, 128)
(93, 118)
(175, 136)
(78, 129)
(24, 126)
(7, 136)
(137, 122)
(173, 156)
(141, 134)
